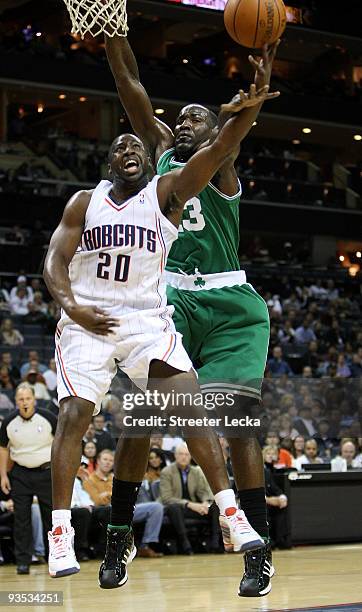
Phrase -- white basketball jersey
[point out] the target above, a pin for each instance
(119, 264)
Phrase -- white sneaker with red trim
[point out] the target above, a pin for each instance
(62, 559)
(237, 533)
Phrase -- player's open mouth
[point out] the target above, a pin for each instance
(131, 165)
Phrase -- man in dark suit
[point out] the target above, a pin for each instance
(186, 494)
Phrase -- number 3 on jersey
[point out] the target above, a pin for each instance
(121, 268)
(196, 221)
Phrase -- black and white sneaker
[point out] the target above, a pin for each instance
(120, 551)
(259, 570)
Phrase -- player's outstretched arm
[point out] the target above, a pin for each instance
(178, 186)
(226, 179)
(63, 245)
(154, 133)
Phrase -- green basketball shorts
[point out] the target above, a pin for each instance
(225, 331)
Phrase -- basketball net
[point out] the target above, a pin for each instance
(96, 16)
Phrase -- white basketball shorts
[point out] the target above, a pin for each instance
(87, 363)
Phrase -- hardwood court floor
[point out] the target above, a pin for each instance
(305, 577)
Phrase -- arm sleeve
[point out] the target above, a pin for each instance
(4, 438)
(50, 417)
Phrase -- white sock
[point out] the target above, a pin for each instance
(225, 499)
(61, 517)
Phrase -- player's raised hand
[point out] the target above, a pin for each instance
(263, 66)
(246, 100)
(93, 319)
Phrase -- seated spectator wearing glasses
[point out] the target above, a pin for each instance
(311, 455)
(276, 365)
(9, 335)
(156, 463)
(186, 493)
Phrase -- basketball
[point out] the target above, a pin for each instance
(254, 23)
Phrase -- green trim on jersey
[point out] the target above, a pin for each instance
(208, 236)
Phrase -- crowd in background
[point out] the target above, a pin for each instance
(311, 412)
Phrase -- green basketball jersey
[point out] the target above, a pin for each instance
(208, 236)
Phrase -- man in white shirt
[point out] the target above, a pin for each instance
(81, 509)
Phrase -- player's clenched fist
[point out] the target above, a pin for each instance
(93, 319)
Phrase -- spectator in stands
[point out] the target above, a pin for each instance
(150, 511)
(35, 285)
(356, 366)
(326, 444)
(317, 290)
(21, 283)
(304, 424)
(276, 365)
(156, 463)
(304, 334)
(186, 493)
(53, 315)
(284, 459)
(102, 436)
(298, 447)
(37, 382)
(349, 452)
(6, 359)
(4, 300)
(81, 509)
(6, 381)
(277, 503)
(19, 303)
(312, 357)
(311, 455)
(9, 335)
(332, 291)
(89, 435)
(307, 372)
(35, 314)
(33, 362)
(89, 456)
(156, 441)
(99, 487)
(286, 333)
(50, 375)
(5, 402)
(26, 437)
(343, 370)
(286, 429)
